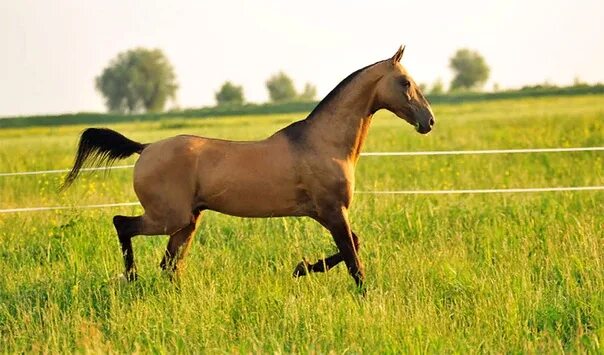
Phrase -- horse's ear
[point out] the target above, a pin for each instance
(398, 55)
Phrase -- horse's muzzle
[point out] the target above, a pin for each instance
(425, 128)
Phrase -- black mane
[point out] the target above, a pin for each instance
(334, 92)
(295, 131)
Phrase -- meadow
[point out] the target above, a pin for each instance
(472, 273)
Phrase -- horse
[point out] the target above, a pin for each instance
(303, 170)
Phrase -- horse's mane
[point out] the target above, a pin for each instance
(296, 131)
(334, 92)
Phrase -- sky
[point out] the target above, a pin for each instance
(53, 50)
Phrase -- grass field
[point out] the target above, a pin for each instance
(451, 273)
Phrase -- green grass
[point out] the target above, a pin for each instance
(453, 273)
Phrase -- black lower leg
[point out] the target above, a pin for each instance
(348, 246)
(167, 261)
(324, 265)
(126, 228)
(128, 254)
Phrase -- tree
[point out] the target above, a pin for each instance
(309, 93)
(471, 70)
(229, 94)
(281, 88)
(136, 80)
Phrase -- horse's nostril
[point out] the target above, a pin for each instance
(431, 122)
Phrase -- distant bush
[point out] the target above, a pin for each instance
(281, 88)
(229, 94)
(309, 93)
(438, 88)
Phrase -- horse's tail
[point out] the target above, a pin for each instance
(101, 146)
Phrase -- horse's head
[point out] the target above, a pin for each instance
(397, 92)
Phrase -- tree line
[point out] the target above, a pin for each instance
(143, 80)
(280, 89)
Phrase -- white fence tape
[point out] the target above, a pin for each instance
(396, 192)
(40, 172)
(482, 191)
(52, 208)
(488, 151)
(367, 154)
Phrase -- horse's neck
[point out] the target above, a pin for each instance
(341, 127)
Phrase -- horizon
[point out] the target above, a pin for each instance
(53, 52)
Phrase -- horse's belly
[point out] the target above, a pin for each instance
(255, 200)
(249, 180)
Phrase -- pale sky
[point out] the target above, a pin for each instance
(52, 50)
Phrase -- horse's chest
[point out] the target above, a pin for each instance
(333, 183)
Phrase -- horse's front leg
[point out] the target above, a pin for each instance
(323, 265)
(338, 225)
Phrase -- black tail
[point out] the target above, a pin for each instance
(103, 146)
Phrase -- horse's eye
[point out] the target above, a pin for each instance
(406, 83)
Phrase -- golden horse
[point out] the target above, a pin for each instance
(305, 169)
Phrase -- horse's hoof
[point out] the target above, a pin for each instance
(130, 276)
(301, 269)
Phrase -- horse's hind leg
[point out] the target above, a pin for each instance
(128, 227)
(323, 265)
(179, 244)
